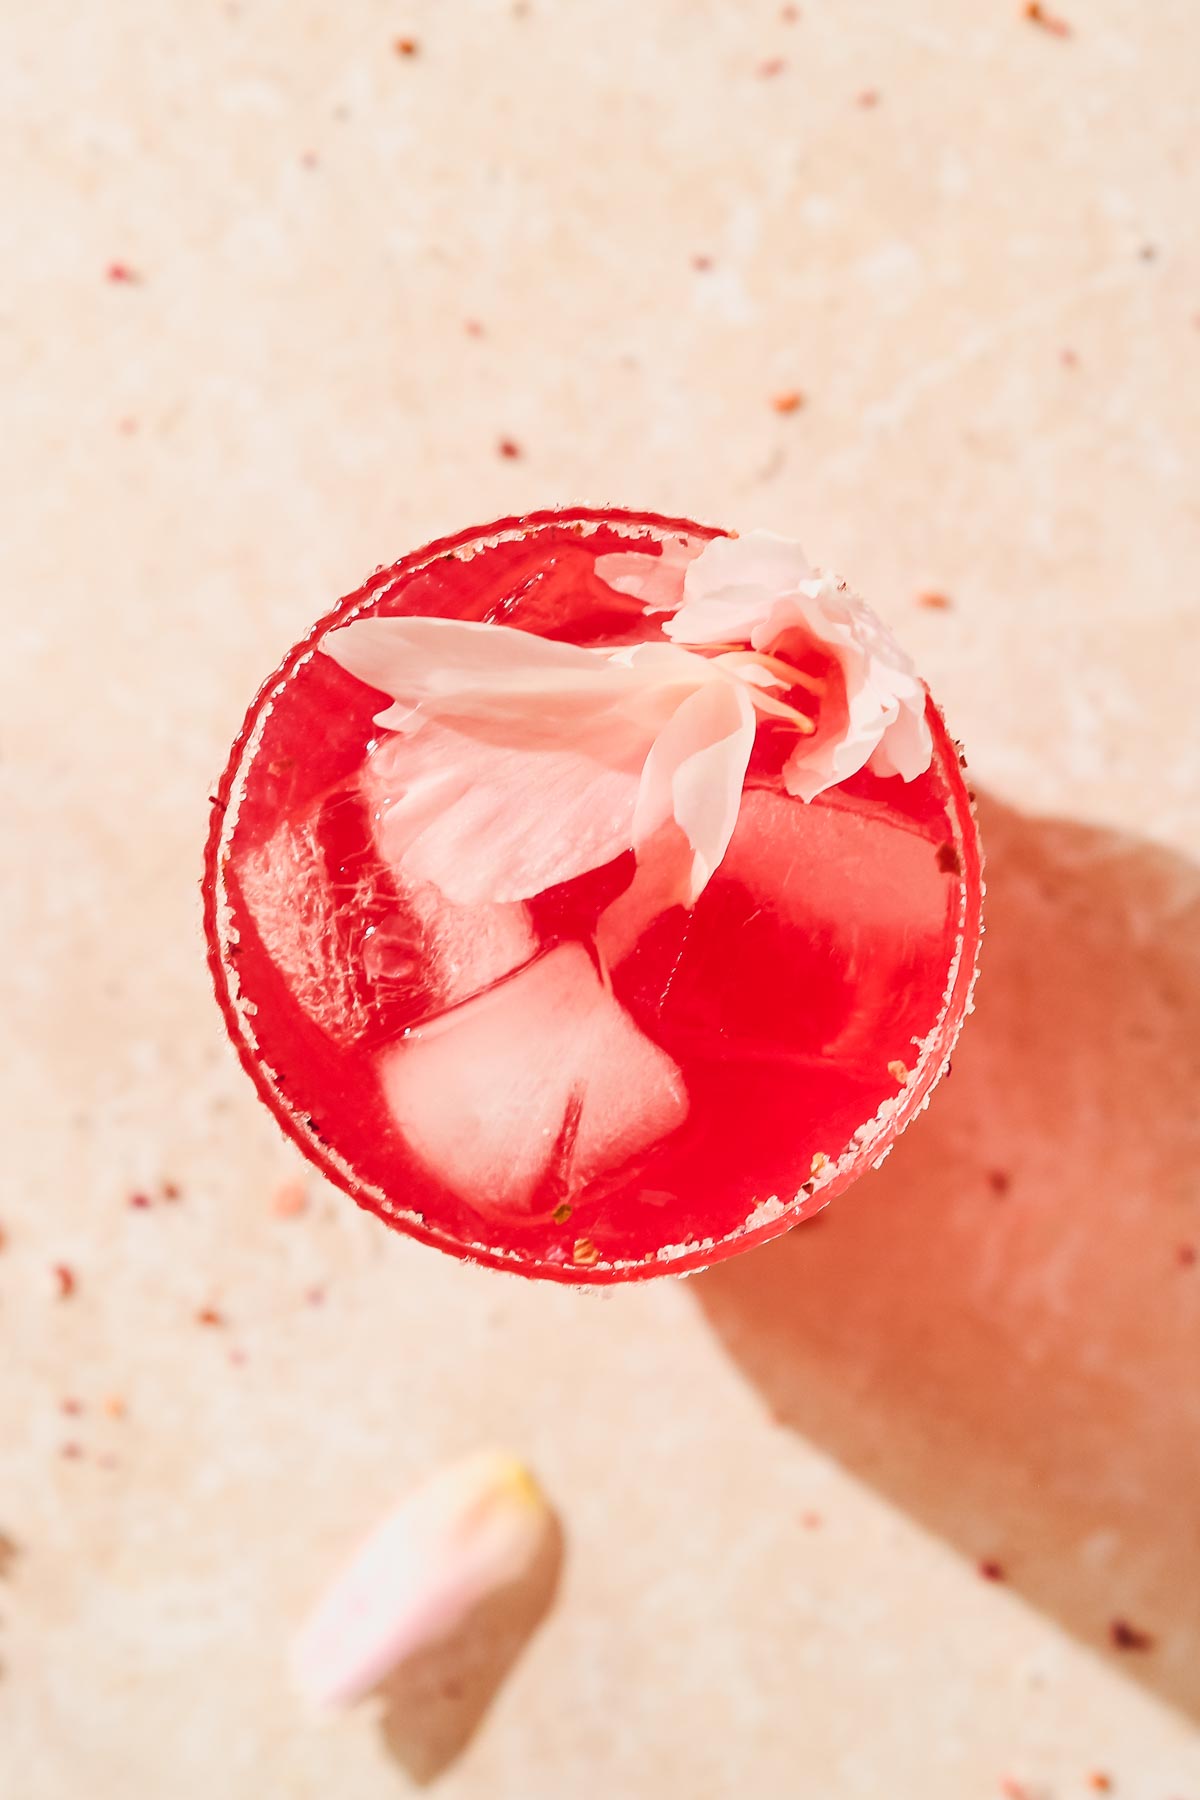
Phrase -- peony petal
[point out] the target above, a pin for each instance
(468, 1531)
(490, 822)
(454, 669)
(525, 762)
(731, 585)
(906, 747)
(694, 775)
(519, 767)
(840, 749)
(881, 720)
(657, 581)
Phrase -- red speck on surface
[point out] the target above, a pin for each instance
(208, 1315)
(127, 427)
(774, 65)
(1186, 1255)
(170, 1190)
(1036, 13)
(868, 98)
(1099, 1782)
(238, 1358)
(788, 402)
(71, 1407)
(509, 448)
(948, 859)
(289, 1200)
(1012, 1789)
(1000, 1181)
(811, 1521)
(139, 1202)
(934, 602)
(72, 1451)
(113, 1406)
(702, 263)
(315, 1296)
(1068, 357)
(789, 14)
(122, 274)
(990, 1569)
(308, 159)
(473, 328)
(1124, 1636)
(406, 46)
(64, 1281)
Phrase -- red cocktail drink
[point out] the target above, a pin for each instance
(581, 953)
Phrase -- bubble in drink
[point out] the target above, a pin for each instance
(542, 950)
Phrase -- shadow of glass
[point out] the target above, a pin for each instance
(434, 1704)
(1000, 1328)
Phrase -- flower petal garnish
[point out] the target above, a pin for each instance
(491, 822)
(729, 589)
(462, 672)
(468, 1531)
(657, 581)
(521, 762)
(760, 587)
(694, 773)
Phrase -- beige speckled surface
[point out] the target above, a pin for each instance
(988, 287)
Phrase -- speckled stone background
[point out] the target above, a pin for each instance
(969, 242)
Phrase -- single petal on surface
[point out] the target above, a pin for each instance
(694, 775)
(730, 587)
(657, 581)
(468, 1531)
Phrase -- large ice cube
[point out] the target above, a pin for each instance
(855, 866)
(526, 1095)
(813, 939)
(360, 948)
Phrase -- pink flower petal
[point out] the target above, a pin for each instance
(882, 721)
(490, 822)
(519, 760)
(471, 1529)
(760, 587)
(452, 669)
(694, 775)
(731, 585)
(657, 581)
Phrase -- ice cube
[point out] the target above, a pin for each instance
(469, 948)
(857, 867)
(306, 920)
(361, 950)
(526, 1095)
(811, 940)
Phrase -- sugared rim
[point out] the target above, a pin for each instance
(872, 1141)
